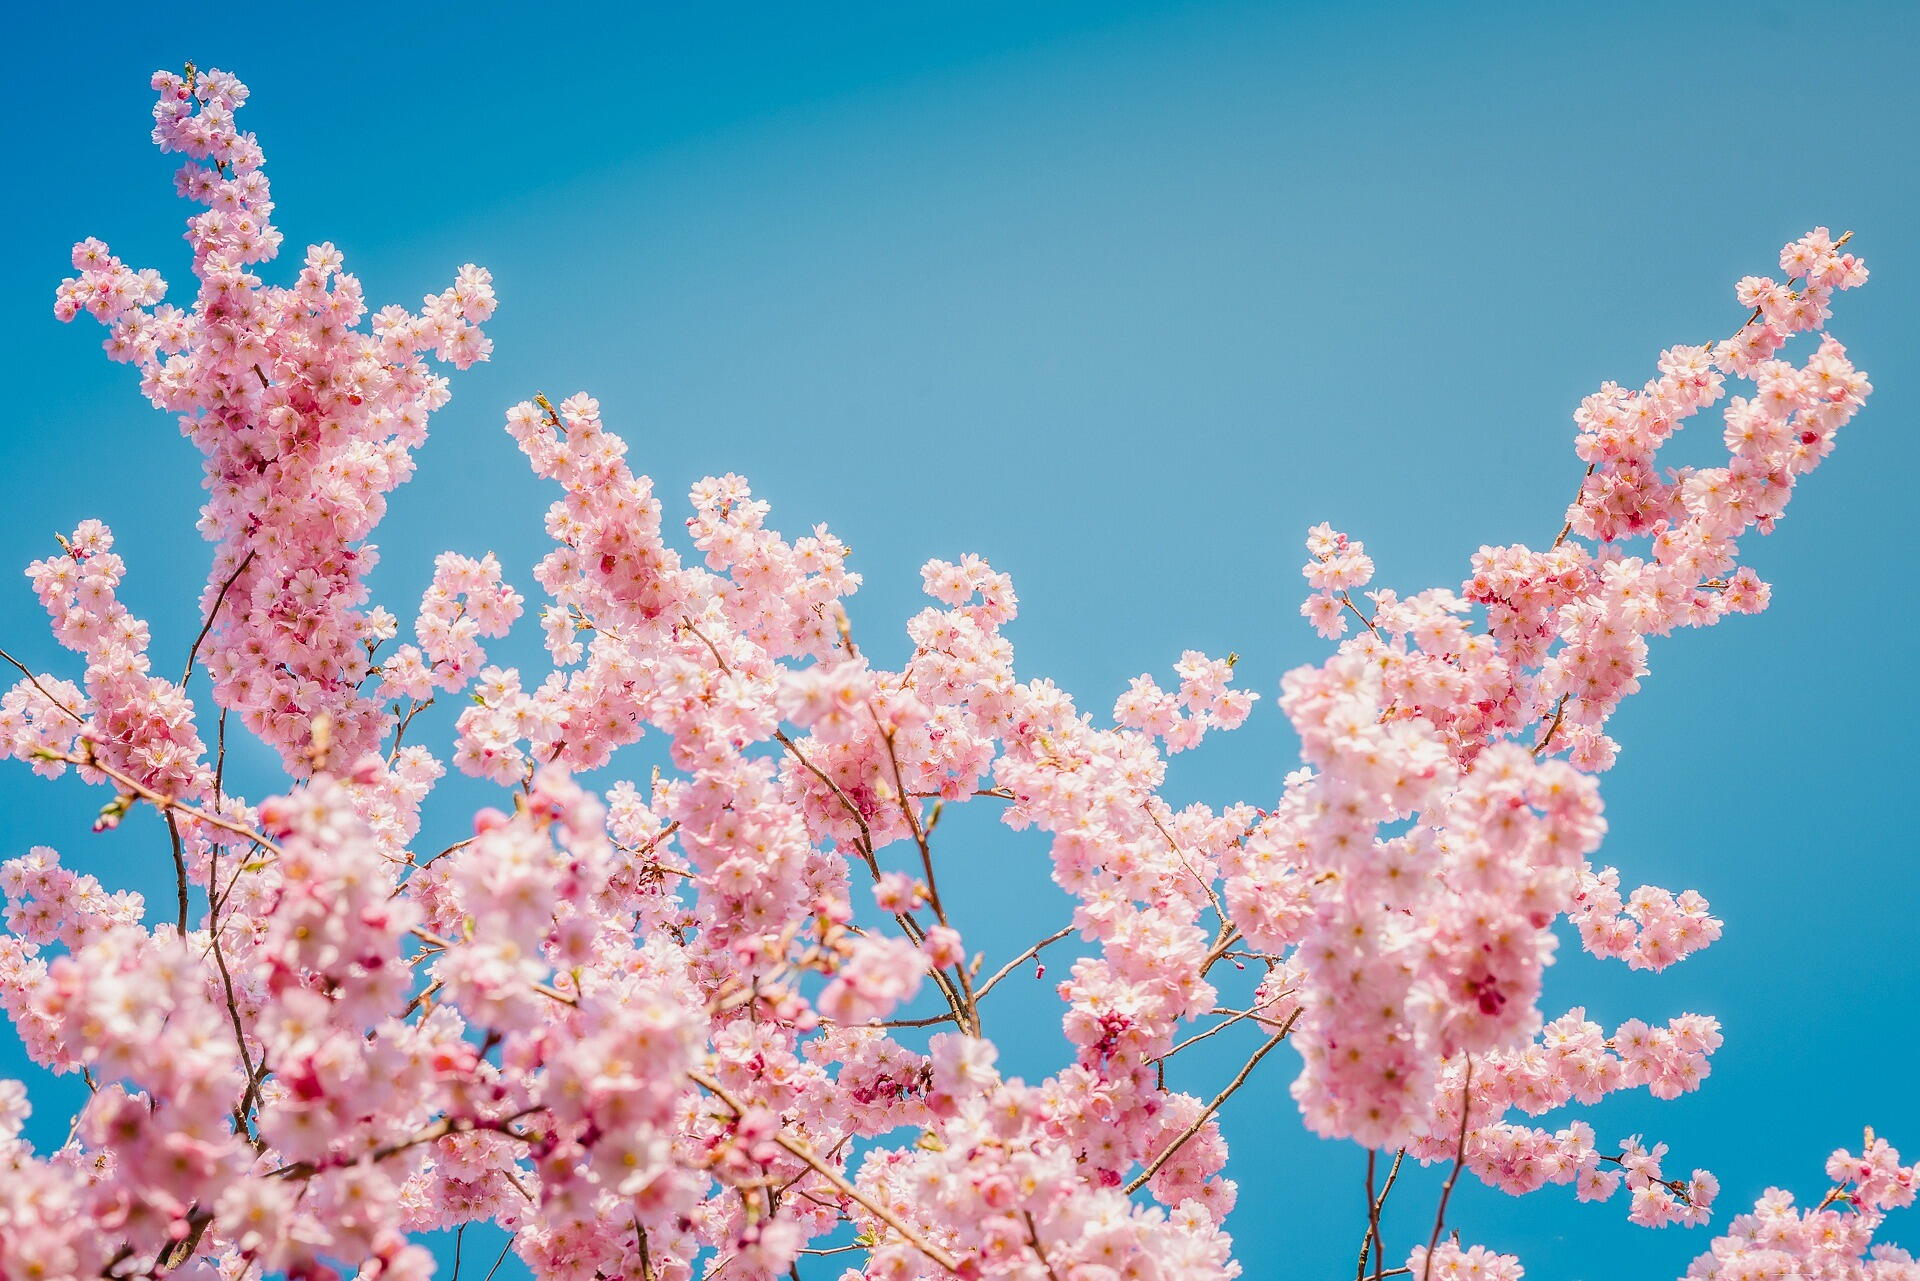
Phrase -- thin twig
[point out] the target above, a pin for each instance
(35, 682)
(159, 800)
(933, 1021)
(1252, 1012)
(219, 769)
(1029, 954)
(799, 1148)
(967, 1014)
(400, 734)
(1374, 1204)
(1559, 711)
(503, 1256)
(179, 868)
(1459, 1159)
(1347, 600)
(1033, 1239)
(245, 1106)
(193, 651)
(1373, 1220)
(446, 945)
(1567, 528)
(445, 1127)
(1206, 886)
(1206, 1113)
(864, 845)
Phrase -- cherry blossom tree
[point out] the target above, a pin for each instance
(721, 1019)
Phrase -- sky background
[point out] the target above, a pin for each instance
(1123, 297)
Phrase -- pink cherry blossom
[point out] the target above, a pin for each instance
(720, 1016)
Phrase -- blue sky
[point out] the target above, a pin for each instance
(1124, 297)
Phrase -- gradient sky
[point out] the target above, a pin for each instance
(1123, 296)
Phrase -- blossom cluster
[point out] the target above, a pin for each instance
(1832, 1239)
(722, 1019)
(306, 420)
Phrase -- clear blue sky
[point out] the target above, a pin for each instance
(1123, 296)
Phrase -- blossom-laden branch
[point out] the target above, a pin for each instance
(350, 1050)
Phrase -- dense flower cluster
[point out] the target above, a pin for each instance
(1833, 1239)
(141, 723)
(307, 421)
(674, 1026)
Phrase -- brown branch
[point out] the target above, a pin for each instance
(799, 1148)
(653, 843)
(434, 940)
(451, 849)
(864, 845)
(1206, 1113)
(1459, 1159)
(172, 1259)
(179, 868)
(646, 1253)
(159, 800)
(1206, 886)
(1373, 1220)
(1227, 938)
(1347, 600)
(964, 1001)
(1559, 711)
(1567, 528)
(780, 736)
(193, 650)
(245, 1106)
(445, 1127)
(1252, 1012)
(219, 770)
(1372, 1238)
(35, 682)
(426, 995)
(503, 1256)
(400, 734)
(1033, 1239)
(1008, 968)
(934, 1021)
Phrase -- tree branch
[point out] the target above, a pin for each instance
(1206, 1113)
(1008, 968)
(799, 1148)
(193, 651)
(1459, 1159)
(35, 682)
